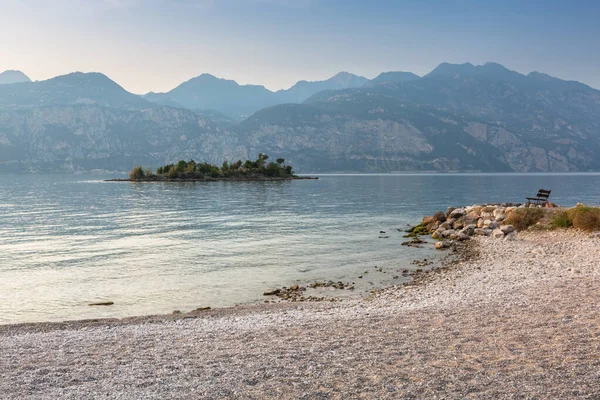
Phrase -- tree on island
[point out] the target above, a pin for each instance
(192, 170)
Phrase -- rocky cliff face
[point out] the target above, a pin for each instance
(82, 138)
(459, 117)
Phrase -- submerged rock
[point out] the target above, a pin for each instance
(271, 292)
(102, 303)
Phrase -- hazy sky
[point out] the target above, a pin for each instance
(154, 45)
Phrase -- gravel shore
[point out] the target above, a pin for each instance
(515, 319)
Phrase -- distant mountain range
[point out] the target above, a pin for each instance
(457, 117)
(238, 101)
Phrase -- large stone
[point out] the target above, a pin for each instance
(459, 212)
(468, 230)
(444, 244)
(497, 233)
(439, 216)
(445, 226)
(462, 237)
(498, 211)
(458, 225)
(507, 229)
(480, 223)
(482, 232)
(271, 292)
(511, 236)
(500, 217)
(448, 232)
(427, 220)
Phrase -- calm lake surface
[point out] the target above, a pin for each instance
(152, 248)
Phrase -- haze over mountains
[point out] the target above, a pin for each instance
(238, 101)
(458, 117)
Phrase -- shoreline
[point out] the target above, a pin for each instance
(511, 318)
(211, 179)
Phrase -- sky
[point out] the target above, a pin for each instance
(154, 45)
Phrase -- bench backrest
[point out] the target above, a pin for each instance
(543, 194)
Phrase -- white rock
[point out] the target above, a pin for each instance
(444, 244)
(459, 212)
(497, 233)
(511, 236)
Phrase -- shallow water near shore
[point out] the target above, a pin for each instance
(68, 240)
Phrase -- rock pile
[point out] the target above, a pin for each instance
(459, 224)
(297, 293)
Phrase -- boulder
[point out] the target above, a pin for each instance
(499, 211)
(480, 223)
(271, 292)
(427, 220)
(507, 229)
(444, 244)
(500, 217)
(459, 212)
(439, 216)
(482, 232)
(448, 232)
(449, 210)
(468, 230)
(462, 237)
(458, 225)
(511, 236)
(445, 226)
(497, 233)
(437, 234)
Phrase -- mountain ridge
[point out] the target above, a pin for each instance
(462, 117)
(13, 76)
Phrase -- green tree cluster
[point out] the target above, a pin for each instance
(191, 169)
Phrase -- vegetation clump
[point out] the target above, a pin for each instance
(523, 218)
(561, 220)
(584, 218)
(192, 170)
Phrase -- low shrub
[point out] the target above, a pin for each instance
(137, 173)
(584, 218)
(561, 220)
(523, 218)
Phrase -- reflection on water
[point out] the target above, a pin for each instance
(154, 247)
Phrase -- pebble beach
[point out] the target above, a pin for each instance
(515, 318)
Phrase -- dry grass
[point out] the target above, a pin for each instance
(523, 218)
(584, 218)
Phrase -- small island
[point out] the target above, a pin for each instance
(258, 170)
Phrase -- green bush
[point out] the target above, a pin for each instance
(173, 173)
(561, 220)
(137, 173)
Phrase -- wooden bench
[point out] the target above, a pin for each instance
(540, 198)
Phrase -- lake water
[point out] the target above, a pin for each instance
(66, 241)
